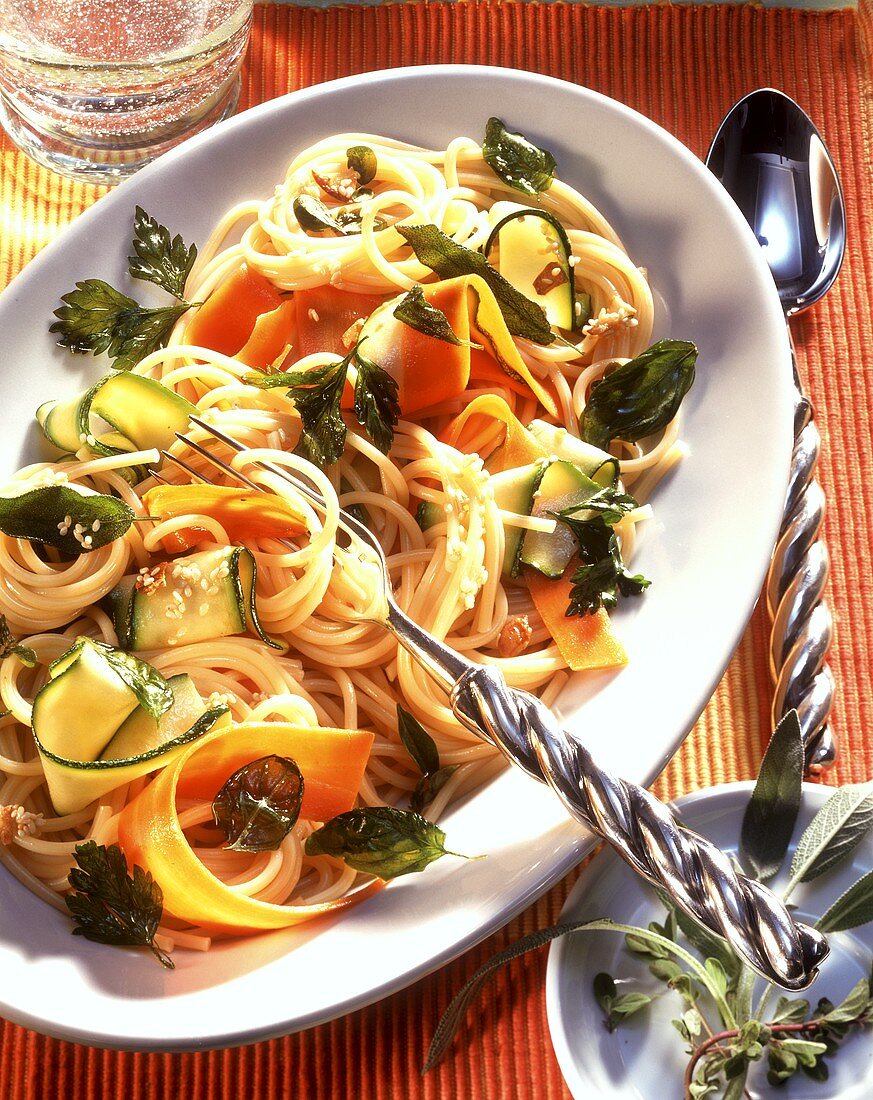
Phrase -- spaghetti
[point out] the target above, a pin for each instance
(336, 669)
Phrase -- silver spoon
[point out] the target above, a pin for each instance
(774, 164)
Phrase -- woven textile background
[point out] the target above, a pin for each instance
(683, 67)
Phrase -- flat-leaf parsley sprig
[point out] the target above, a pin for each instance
(723, 1032)
(96, 318)
(318, 393)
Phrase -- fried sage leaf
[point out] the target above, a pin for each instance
(516, 160)
(640, 397)
(58, 516)
(417, 312)
(96, 318)
(362, 159)
(151, 689)
(11, 647)
(380, 840)
(159, 258)
(259, 804)
(110, 906)
(423, 750)
(313, 216)
(449, 259)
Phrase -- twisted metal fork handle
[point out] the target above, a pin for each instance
(697, 875)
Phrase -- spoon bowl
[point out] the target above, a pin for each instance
(772, 160)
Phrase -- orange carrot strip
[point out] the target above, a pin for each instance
(332, 762)
(243, 513)
(584, 641)
(519, 447)
(269, 338)
(226, 320)
(325, 314)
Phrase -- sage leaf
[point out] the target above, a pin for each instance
(58, 516)
(852, 1005)
(629, 1003)
(851, 909)
(806, 1051)
(641, 396)
(362, 159)
(151, 689)
(603, 988)
(429, 786)
(380, 840)
(417, 742)
(417, 312)
(159, 258)
(313, 216)
(11, 647)
(772, 810)
(790, 1010)
(516, 160)
(834, 832)
(717, 975)
(259, 804)
(449, 259)
(736, 1087)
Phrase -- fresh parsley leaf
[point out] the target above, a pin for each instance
(602, 577)
(317, 395)
(380, 840)
(449, 259)
(376, 406)
(641, 396)
(158, 258)
(97, 318)
(11, 647)
(41, 515)
(516, 160)
(362, 159)
(259, 804)
(110, 906)
(417, 312)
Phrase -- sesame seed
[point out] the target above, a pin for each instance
(204, 609)
(313, 316)
(95, 526)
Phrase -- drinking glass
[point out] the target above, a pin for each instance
(97, 88)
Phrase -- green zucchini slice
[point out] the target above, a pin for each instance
(195, 598)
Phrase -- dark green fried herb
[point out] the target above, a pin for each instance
(11, 647)
(362, 159)
(422, 748)
(417, 312)
(259, 804)
(318, 396)
(96, 318)
(58, 516)
(601, 577)
(380, 841)
(376, 406)
(640, 397)
(516, 160)
(313, 216)
(449, 259)
(110, 906)
(159, 258)
(151, 689)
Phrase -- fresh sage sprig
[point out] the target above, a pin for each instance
(723, 1034)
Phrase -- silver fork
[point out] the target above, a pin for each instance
(699, 877)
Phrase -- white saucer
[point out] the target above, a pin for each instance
(644, 1059)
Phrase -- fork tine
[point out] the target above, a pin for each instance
(219, 463)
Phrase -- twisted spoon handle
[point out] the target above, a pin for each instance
(696, 874)
(802, 627)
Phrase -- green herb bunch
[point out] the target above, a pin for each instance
(724, 1020)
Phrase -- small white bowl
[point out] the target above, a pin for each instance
(644, 1058)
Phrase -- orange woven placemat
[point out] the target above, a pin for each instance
(682, 67)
